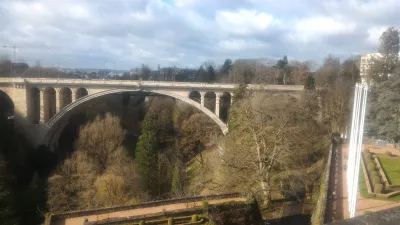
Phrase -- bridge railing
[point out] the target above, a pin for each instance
(71, 214)
(138, 83)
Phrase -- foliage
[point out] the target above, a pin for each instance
(197, 133)
(378, 188)
(388, 153)
(194, 218)
(335, 82)
(146, 152)
(264, 134)
(91, 178)
(309, 83)
(177, 179)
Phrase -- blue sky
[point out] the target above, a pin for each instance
(186, 33)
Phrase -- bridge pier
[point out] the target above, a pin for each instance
(41, 96)
(202, 94)
(217, 104)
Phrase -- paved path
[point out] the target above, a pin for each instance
(142, 211)
(363, 204)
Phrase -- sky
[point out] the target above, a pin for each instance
(123, 34)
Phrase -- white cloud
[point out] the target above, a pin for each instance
(85, 33)
(316, 28)
(374, 34)
(244, 22)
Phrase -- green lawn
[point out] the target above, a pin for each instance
(391, 165)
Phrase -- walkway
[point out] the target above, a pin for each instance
(339, 209)
(142, 211)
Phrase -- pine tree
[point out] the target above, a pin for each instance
(146, 155)
(176, 183)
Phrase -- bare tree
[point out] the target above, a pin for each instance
(270, 135)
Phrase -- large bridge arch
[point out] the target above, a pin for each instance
(55, 124)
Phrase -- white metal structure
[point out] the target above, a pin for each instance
(356, 137)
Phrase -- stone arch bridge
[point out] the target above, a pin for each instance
(43, 106)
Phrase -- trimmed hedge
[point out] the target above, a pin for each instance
(194, 218)
(368, 156)
(378, 188)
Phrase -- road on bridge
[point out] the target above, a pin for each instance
(140, 212)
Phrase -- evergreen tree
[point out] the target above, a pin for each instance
(176, 183)
(146, 152)
(309, 83)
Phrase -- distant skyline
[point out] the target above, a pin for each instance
(186, 33)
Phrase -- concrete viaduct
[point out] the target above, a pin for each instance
(43, 106)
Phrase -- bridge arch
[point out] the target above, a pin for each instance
(81, 92)
(195, 96)
(65, 97)
(55, 124)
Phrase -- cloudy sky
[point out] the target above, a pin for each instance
(86, 33)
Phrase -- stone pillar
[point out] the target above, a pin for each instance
(41, 105)
(217, 103)
(57, 99)
(202, 94)
(73, 96)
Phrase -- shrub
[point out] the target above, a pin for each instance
(366, 150)
(142, 222)
(371, 167)
(368, 155)
(388, 153)
(378, 188)
(170, 221)
(204, 205)
(194, 218)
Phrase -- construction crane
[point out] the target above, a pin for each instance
(15, 55)
(15, 51)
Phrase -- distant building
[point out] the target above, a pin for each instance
(365, 64)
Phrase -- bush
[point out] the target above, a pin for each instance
(378, 188)
(371, 167)
(170, 221)
(388, 153)
(204, 205)
(368, 155)
(366, 150)
(194, 218)
(142, 222)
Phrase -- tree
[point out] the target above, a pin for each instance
(226, 67)
(177, 179)
(309, 83)
(197, 133)
(384, 117)
(100, 139)
(145, 72)
(92, 176)
(282, 73)
(146, 152)
(271, 136)
(385, 64)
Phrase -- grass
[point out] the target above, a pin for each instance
(391, 165)
(362, 186)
